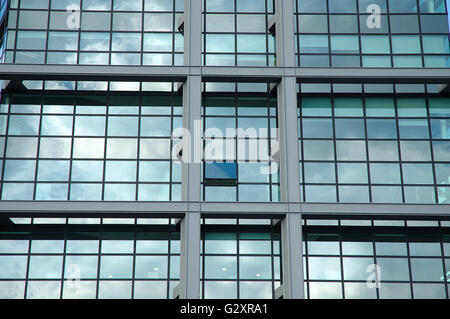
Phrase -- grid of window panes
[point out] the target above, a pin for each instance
(240, 259)
(89, 145)
(235, 32)
(379, 148)
(88, 258)
(372, 33)
(364, 259)
(103, 32)
(239, 168)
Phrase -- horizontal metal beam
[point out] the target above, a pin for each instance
(215, 209)
(221, 74)
(93, 72)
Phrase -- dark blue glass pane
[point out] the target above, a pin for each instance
(220, 171)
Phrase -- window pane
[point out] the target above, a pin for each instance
(255, 268)
(395, 269)
(352, 173)
(417, 173)
(23, 125)
(151, 267)
(114, 290)
(385, 173)
(49, 267)
(415, 151)
(13, 267)
(413, 129)
(318, 150)
(320, 173)
(116, 267)
(325, 290)
(220, 289)
(317, 128)
(324, 268)
(349, 128)
(380, 129)
(426, 269)
(220, 267)
(220, 43)
(323, 194)
(356, 268)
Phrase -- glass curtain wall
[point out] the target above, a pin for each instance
(364, 259)
(372, 33)
(240, 129)
(379, 148)
(112, 143)
(103, 32)
(240, 259)
(235, 32)
(74, 258)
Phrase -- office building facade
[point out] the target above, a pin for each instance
(225, 149)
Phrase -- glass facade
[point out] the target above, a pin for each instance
(106, 147)
(236, 33)
(102, 32)
(379, 148)
(372, 33)
(79, 258)
(247, 125)
(138, 258)
(379, 259)
(90, 145)
(240, 259)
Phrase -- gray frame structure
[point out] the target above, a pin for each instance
(191, 209)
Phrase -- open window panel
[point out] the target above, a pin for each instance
(220, 174)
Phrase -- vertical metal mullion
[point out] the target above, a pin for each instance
(171, 162)
(41, 95)
(397, 124)
(375, 259)
(269, 147)
(99, 254)
(3, 165)
(341, 258)
(105, 148)
(79, 34)
(430, 140)
(329, 37)
(409, 261)
(203, 256)
(72, 140)
(133, 276)
(169, 254)
(48, 33)
(238, 258)
(444, 265)
(236, 123)
(142, 34)
(302, 141)
(27, 275)
(61, 291)
(235, 34)
(306, 258)
(359, 37)
(388, 21)
(16, 31)
(333, 121)
(203, 120)
(111, 11)
(138, 143)
(419, 16)
(366, 144)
